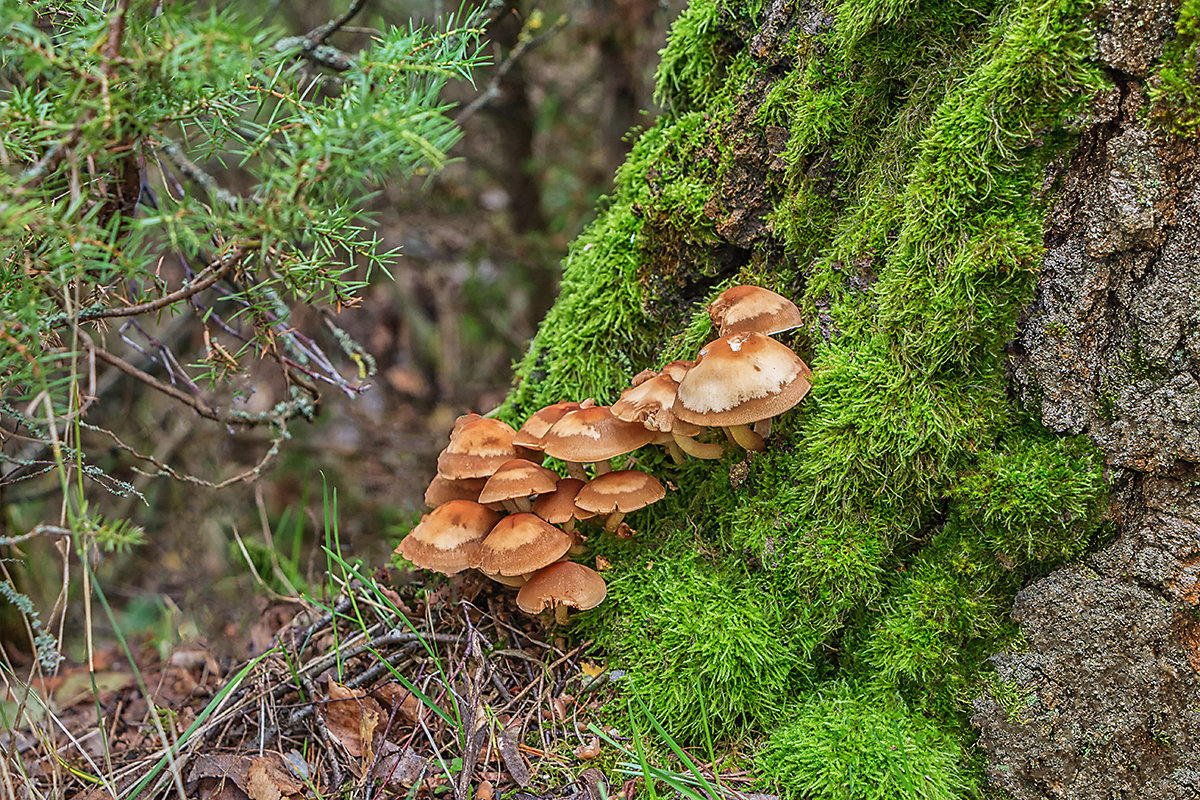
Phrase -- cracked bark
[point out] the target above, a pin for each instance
(1109, 683)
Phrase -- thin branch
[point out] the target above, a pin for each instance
(320, 34)
(493, 88)
(204, 279)
(199, 406)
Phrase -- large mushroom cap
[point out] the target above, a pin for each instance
(559, 506)
(521, 543)
(624, 491)
(742, 309)
(518, 478)
(741, 379)
(593, 434)
(447, 539)
(564, 583)
(531, 433)
(477, 447)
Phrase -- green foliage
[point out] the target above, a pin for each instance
(45, 646)
(691, 68)
(109, 117)
(697, 653)
(1035, 498)
(1175, 90)
(844, 742)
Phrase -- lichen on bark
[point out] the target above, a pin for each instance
(915, 175)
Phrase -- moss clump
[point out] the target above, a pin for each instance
(844, 742)
(692, 68)
(697, 654)
(1035, 499)
(1175, 90)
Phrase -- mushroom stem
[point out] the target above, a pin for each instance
(676, 453)
(524, 504)
(763, 427)
(614, 519)
(602, 467)
(509, 505)
(575, 470)
(697, 449)
(560, 613)
(746, 437)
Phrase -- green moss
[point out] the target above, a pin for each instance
(1175, 90)
(844, 742)
(699, 641)
(692, 67)
(1035, 499)
(879, 541)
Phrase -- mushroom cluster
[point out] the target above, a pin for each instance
(498, 510)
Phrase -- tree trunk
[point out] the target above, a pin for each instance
(991, 215)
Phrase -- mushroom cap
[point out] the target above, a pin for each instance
(740, 379)
(624, 490)
(530, 434)
(593, 434)
(650, 403)
(521, 543)
(565, 583)
(675, 370)
(559, 506)
(443, 490)
(742, 309)
(518, 478)
(477, 447)
(447, 539)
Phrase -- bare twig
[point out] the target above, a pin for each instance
(212, 273)
(492, 91)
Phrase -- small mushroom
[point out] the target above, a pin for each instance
(592, 435)
(520, 544)
(447, 539)
(651, 402)
(559, 586)
(515, 481)
(739, 380)
(618, 493)
(558, 507)
(478, 446)
(745, 309)
(443, 490)
(530, 434)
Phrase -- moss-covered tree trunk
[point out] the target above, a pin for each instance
(990, 213)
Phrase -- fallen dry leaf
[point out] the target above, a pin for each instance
(401, 700)
(269, 779)
(352, 717)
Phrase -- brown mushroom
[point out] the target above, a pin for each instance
(618, 493)
(743, 309)
(739, 380)
(515, 481)
(651, 403)
(477, 447)
(592, 435)
(520, 544)
(560, 585)
(447, 539)
(558, 507)
(443, 490)
(531, 433)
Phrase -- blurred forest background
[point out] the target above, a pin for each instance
(544, 126)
